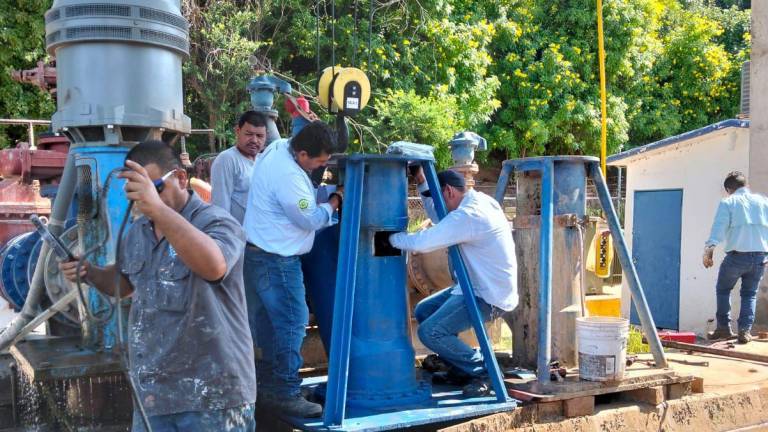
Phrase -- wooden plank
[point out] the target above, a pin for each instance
(580, 406)
(573, 388)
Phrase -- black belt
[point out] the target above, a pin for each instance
(254, 247)
(747, 253)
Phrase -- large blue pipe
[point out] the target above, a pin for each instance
(99, 222)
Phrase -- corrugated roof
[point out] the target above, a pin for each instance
(734, 123)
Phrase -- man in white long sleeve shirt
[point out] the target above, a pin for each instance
(281, 218)
(231, 171)
(477, 224)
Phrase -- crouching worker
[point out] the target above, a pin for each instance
(189, 344)
(477, 224)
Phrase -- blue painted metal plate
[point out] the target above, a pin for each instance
(657, 223)
(537, 160)
(386, 157)
(447, 404)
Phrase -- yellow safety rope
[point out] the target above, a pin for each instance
(603, 107)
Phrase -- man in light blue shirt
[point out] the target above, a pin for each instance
(741, 222)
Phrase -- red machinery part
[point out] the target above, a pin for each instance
(43, 76)
(44, 163)
(24, 171)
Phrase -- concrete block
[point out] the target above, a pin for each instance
(580, 406)
(676, 391)
(650, 395)
(697, 385)
(549, 410)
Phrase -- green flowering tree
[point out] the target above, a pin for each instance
(22, 45)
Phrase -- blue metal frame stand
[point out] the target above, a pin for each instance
(352, 319)
(341, 336)
(545, 165)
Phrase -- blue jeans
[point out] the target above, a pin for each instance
(238, 419)
(749, 266)
(278, 316)
(442, 316)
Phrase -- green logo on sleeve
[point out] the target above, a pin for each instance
(303, 204)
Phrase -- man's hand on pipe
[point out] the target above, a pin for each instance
(69, 270)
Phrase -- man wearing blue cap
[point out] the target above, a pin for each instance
(477, 224)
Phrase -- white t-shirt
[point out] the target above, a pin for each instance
(481, 230)
(282, 214)
(230, 181)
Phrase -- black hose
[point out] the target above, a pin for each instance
(122, 348)
(120, 341)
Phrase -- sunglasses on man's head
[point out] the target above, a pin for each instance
(160, 183)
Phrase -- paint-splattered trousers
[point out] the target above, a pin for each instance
(237, 419)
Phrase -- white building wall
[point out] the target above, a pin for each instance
(698, 166)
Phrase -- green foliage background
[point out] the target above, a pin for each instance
(523, 73)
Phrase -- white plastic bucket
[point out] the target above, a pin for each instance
(602, 345)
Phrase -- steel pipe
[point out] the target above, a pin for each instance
(37, 285)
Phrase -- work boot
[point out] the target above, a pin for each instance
(478, 387)
(744, 336)
(294, 406)
(721, 333)
(452, 376)
(433, 363)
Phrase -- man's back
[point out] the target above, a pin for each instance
(741, 222)
(490, 250)
(481, 230)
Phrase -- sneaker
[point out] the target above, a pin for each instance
(744, 336)
(721, 333)
(478, 387)
(294, 406)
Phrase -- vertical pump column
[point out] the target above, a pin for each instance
(119, 83)
(380, 323)
(545, 324)
(569, 182)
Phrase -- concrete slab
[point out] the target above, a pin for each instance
(735, 398)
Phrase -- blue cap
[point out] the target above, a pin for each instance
(448, 178)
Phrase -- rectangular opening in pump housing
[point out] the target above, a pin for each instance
(381, 245)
